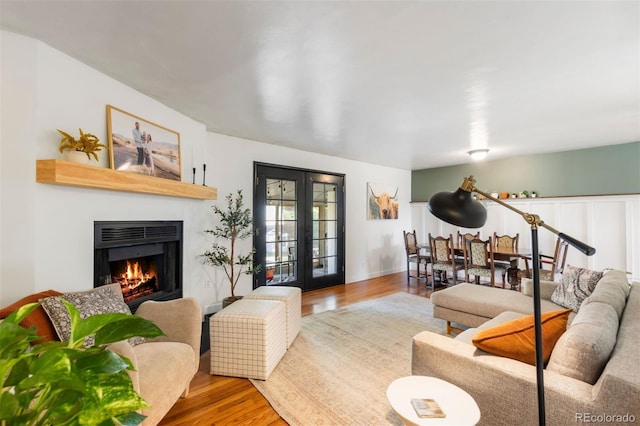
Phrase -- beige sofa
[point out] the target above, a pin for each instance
(592, 375)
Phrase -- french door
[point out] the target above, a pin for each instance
(299, 223)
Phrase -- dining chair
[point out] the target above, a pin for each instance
(412, 250)
(505, 241)
(443, 259)
(461, 240)
(555, 263)
(464, 237)
(479, 261)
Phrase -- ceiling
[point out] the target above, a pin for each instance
(407, 84)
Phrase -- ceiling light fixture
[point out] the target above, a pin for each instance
(478, 154)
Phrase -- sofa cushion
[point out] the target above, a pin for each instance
(575, 286)
(546, 288)
(583, 351)
(101, 300)
(38, 318)
(516, 339)
(467, 335)
(612, 289)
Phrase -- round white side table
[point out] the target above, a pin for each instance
(458, 405)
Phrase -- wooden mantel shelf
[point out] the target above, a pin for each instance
(59, 172)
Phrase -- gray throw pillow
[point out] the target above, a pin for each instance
(575, 286)
(102, 300)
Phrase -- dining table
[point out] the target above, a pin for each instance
(503, 254)
(507, 254)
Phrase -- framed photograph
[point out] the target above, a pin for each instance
(382, 201)
(140, 146)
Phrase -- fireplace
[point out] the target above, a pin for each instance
(144, 257)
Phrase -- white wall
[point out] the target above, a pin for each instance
(611, 224)
(47, 230)
(373, 247)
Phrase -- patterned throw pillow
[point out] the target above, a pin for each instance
(576, 285)
(101, 300)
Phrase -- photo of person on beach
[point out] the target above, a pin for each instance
(133, 149)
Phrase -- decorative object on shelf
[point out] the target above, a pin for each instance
(514, 195)
(458, 208)
(76, 150)
(65, 382)
(503, 195)
(141, 146)
(235, 224)
(534, 194)
(194, 175)
(524, 194)
(204, 174)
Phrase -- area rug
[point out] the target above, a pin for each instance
(338, 369)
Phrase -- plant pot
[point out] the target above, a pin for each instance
(229, 300)
(76, 157)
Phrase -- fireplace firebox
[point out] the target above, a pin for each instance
(144, 257)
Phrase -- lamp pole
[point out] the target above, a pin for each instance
(537, 320)
(458, 208)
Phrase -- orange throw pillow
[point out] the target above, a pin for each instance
(38, 317)
(516, 339)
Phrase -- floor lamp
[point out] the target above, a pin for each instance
(460, 209)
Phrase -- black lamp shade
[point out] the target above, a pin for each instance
(458, 208)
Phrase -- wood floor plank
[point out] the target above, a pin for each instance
(218, 400)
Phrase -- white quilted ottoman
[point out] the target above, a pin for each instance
(248, 338)
(292, 296)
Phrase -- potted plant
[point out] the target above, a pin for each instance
(65, 383)
(87, 143)
(235, 224)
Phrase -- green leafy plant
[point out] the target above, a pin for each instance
(64, 383)
(235, 224)
(87, 143)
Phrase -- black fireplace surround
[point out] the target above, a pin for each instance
(144, 257)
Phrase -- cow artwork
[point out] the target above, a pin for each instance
(382, 205)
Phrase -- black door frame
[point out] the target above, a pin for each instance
(304, 190)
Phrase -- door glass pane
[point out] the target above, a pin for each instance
(324, 230)
(281, 226)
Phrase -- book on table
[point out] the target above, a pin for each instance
(427, 408)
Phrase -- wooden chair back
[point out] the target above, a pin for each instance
(557, 262)
(479, 260)
(442, 249)
(410, 242)
(550, 266)
(464, 237)
(508, 241)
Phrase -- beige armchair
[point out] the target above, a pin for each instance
(165, 365)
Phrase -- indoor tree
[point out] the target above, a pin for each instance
(235, 224)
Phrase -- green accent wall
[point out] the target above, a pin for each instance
(606, 170)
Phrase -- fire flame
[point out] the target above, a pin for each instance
(134, 276)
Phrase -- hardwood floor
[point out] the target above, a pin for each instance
(218, 400)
